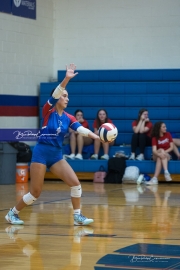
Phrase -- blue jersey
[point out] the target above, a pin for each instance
(54, 126)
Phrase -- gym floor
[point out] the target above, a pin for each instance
(135, 227)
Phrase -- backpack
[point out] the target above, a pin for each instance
(24, 151)
(100, 175)
(116, 168)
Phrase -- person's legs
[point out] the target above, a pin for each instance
(176, 142)
(162, 162)
(176, 145)
(158, 167)
(134, 142)
(73, 143)
(37, 172)
(165, 167)
(134, 145)
(142, 142)
(154, 179)
(106, 150)
(97, 145)
(81, 141)
(64, 171)
(73, 138)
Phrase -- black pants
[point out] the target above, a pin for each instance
(140, 140)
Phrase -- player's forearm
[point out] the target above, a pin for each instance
(86, 132)
(60, 88)
(64, 82)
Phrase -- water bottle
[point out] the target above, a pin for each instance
(140, 179)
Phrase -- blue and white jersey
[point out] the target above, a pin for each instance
(54, 126)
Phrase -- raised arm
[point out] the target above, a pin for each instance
(70, 73)
(59, 89)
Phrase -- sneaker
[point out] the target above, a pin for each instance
(95, 156)
(13, 218)
(12, 231)
(153, 181)
(71, 156)
(132, 157)
(105, 156)
(82, 220)
(79, 156)
(140, 157)
(167, 177)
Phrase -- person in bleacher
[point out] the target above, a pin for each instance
(101, 118)
(48, 153)
(76, 139)
(162, 146)
(141, 137)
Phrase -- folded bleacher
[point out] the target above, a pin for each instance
(122, 93)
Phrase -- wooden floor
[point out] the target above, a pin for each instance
(135, 227)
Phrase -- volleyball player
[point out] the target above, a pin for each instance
(48, 153)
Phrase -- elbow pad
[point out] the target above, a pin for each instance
(83, 131)
(58, 92)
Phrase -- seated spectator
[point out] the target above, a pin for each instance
(76, 139)
(142, 134)
(101, 118)
(162, 146)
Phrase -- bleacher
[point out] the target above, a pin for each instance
(122, 93)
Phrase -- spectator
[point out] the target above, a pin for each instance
(142, 134)
(162, 145)
(76, 139)
(101, 118)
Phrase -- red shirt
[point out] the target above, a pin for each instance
(85, 124)
(147, 124)
(163, 142)
(95, 123)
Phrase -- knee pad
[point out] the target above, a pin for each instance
(76, 191)
(29, 199)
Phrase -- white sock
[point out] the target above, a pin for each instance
(15, 211)
(77, 211)
(166, 171)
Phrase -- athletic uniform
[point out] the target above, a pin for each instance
(48, 151)
(54, 127)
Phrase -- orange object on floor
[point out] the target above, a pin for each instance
(21, 172)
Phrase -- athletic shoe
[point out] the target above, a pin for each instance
(167, 177)
(12, 231)
(140, 157)
(105, 156)
(71, 156)
(95, 156)
(153, 181)
(132, 157)
(79, 156)
(82, 220)
(13, 218)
